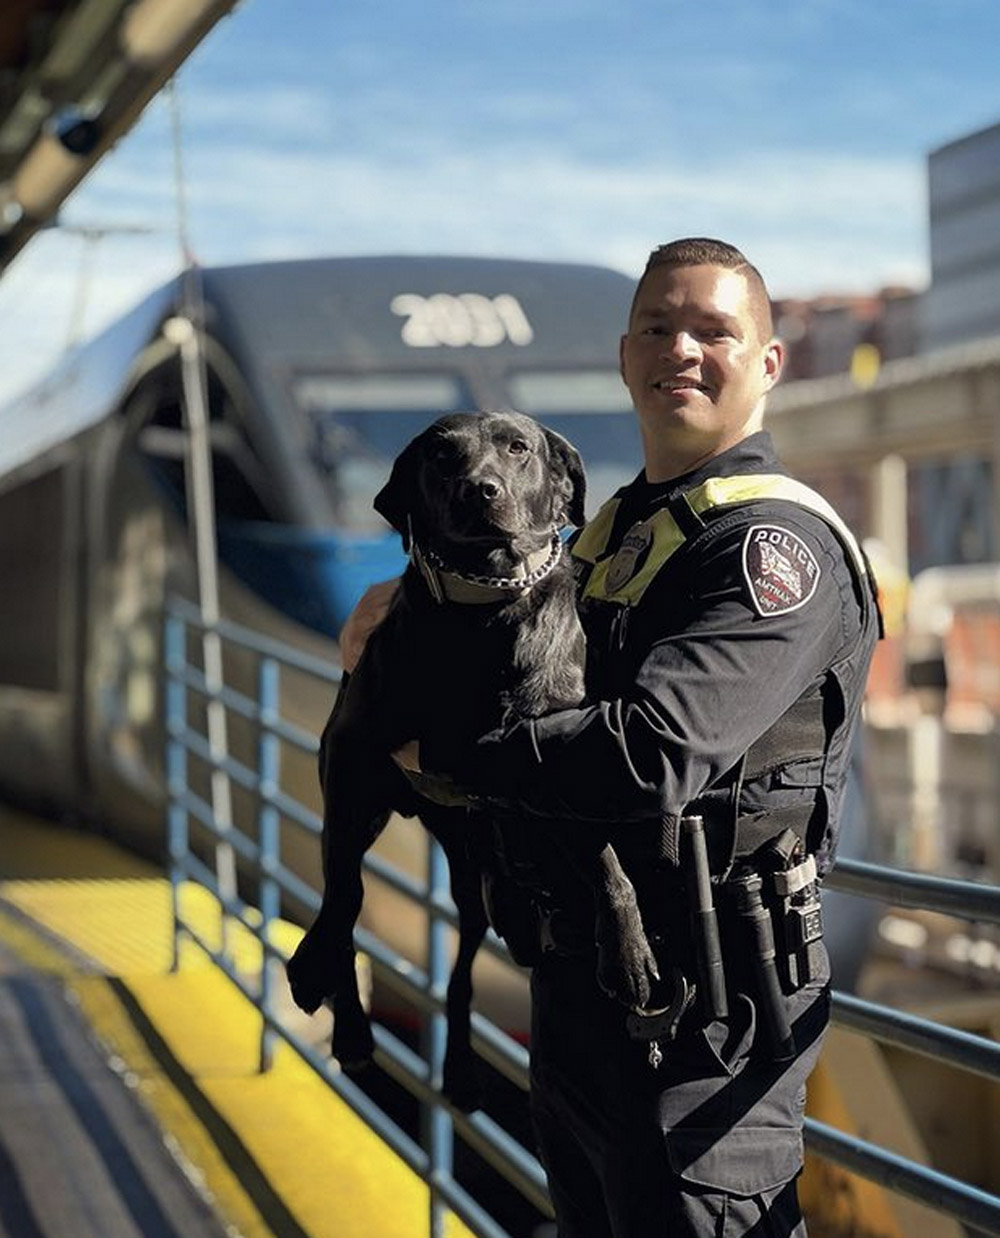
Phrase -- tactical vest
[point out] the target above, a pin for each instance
(805, 733)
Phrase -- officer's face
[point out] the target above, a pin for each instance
(695, 365)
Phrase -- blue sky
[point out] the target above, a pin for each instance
(585, 130)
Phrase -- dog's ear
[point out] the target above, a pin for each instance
(399, 498)
(570, 467)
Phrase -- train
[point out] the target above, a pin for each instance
(315, 373)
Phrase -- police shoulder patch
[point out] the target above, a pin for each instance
(780, 569)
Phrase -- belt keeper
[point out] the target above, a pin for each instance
(794, 879)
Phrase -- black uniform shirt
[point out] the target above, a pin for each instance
(688, 677)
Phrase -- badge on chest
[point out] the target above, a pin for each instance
(630, 555)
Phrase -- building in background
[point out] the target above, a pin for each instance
(963, 301)
(952, 489)
(823, 335)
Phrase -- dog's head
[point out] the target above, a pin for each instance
(472, 482)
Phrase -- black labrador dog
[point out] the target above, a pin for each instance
(483, 630)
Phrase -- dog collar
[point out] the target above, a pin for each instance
(448, 584)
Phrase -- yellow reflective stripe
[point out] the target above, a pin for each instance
(725, 491)
(592, 541)
(667, 537)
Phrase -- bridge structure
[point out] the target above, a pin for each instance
(912, 458)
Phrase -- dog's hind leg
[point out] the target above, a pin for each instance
(460, 1083)
(353, 1043)
(626, 965)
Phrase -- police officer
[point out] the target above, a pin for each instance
(730, 621)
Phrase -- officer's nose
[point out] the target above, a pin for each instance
(680, 345)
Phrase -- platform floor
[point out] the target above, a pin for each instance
(130, 1099)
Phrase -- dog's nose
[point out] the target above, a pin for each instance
(487, 487)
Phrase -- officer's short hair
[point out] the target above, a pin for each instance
(695, 251)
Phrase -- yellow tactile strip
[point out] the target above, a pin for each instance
(188, 1042)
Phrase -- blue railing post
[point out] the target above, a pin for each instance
(438, 1137)
(175, 701)
(268, 841)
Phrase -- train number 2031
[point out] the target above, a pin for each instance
(457, 321)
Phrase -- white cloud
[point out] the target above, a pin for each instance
(813, 222)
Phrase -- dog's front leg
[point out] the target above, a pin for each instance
(323, 967)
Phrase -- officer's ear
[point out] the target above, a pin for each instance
(774, 361)
(571, 489)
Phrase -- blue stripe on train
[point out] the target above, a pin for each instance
(313, 577)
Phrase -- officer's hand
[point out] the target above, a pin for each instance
(408, 757)
(436, 787)
(371, 609)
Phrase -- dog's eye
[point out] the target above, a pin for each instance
(517, 446)
(444, 456)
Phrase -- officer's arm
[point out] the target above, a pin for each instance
(699, 700)
(370, 610)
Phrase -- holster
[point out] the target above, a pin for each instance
(794, 902)
(790, 893)
(775, 912)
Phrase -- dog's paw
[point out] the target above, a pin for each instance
(311, 975)
(353, 1042)
(460, 1082)
(626, 970)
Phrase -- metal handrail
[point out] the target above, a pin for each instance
(420, 1073)
(906, 1031)
(965, 899)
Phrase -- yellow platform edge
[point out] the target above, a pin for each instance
(274, 1152)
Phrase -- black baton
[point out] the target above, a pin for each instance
(708, 948)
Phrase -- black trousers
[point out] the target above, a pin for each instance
(706, 1145)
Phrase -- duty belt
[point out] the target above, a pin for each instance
(775, 926)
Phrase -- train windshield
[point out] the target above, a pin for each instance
(593, 410)
(360, 422)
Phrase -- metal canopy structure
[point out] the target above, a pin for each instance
(75, 76)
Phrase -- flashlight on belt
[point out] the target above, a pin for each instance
(752, 913)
